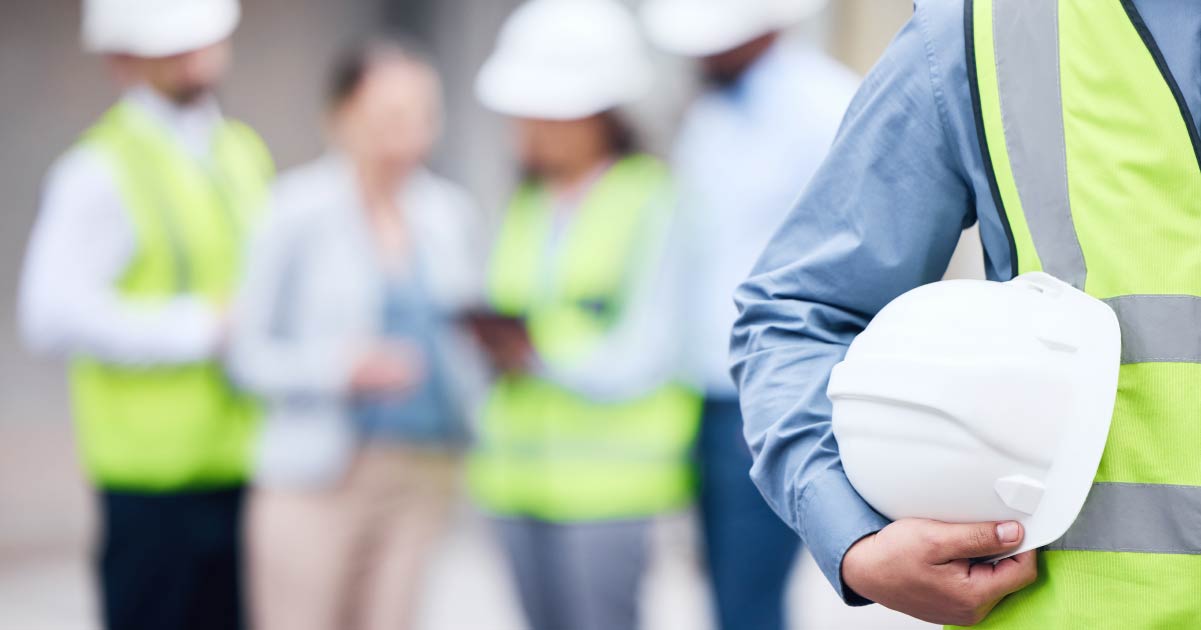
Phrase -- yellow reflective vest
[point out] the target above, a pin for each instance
(167, 428)
(550, 453)
(1095, 164)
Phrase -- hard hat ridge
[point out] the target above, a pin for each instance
(698, 28)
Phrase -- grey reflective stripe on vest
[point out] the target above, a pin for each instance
(1159, 328)
(1139, 518)
(1155, 328)
(1117, 517)
(137, 158)
(1026, 41)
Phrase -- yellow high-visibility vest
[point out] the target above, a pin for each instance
(544, 451)
(1095, 163)
(175, 427)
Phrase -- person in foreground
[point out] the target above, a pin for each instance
(1069, 132)
(345, 327)
(135, 255)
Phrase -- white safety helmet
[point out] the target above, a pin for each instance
(156, 28)
(699, 28)
(971, 401)
(565, 60)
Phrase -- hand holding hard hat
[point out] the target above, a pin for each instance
(970, 401)
(924, 569)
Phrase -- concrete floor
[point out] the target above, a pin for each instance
(45, 525)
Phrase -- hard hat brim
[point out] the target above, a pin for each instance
(970, 401)
(186, 27)
(692, 29)
(513, 88)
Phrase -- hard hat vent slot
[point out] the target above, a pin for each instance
(1041, 283)
(1020, 492)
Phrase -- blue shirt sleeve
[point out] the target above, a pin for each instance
(882, 216)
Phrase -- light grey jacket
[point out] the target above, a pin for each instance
(311, 304)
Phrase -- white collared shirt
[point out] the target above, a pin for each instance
(744, 154)
(83, 242)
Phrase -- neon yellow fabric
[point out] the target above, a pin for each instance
(179, 427)
(547, 452)
(1130, 159)
(1105, 591)
(1135, 190)
(1155, 433)
(578, 295)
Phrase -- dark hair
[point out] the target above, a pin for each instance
(355, 61)
(623, 139)
(620, 135)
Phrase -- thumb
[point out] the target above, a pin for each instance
(976, 540)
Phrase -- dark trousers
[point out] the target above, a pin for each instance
(171, 561)
(750, 551)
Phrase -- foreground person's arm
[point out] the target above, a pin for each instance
(882, 216)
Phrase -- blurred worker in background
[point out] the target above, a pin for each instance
(1069, 131)
(346, 327)
(769, 102)
(135, 254)
(585, 437)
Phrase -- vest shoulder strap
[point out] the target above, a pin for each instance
(1066, 92)
(166, 192)
(245, 145)
(600, 247)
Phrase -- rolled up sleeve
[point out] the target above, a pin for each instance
(883, 215)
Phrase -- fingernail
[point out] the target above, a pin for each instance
(1007, 532)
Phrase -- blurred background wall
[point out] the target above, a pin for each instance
(50, 92)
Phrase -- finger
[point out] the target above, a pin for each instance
(992, 582)
(955, 541)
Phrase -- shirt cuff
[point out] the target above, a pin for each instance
(192, 330)
(833, 517)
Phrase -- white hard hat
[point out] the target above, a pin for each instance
(971, 401)
(565, 60)
(156, 28)
(699, 28)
